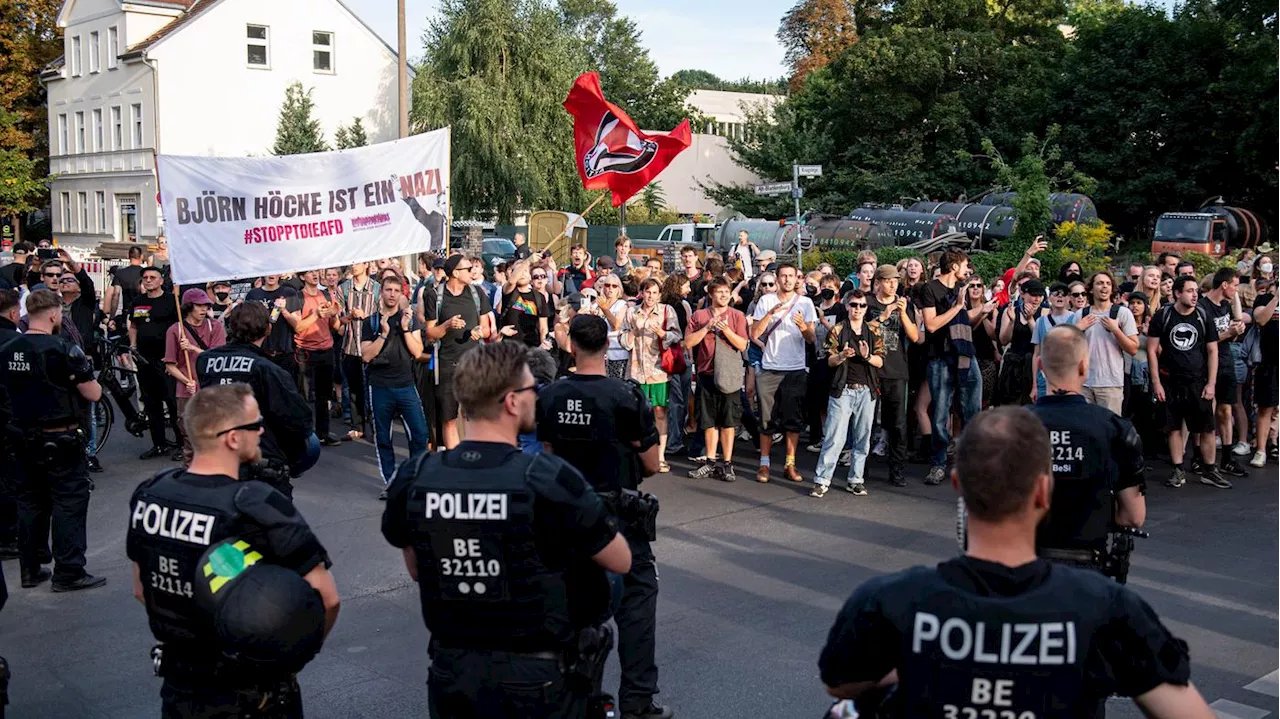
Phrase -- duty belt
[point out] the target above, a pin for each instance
(437, 645)
(1083, 556)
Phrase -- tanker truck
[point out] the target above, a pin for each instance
(777, 235)
(1215, 229)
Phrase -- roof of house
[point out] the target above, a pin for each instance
(140, 49)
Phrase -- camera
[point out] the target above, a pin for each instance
(47, 253)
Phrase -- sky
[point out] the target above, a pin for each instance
(731, 38)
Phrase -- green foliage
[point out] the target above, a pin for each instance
(652, 198)
(1163, 109)
(703, 80)
(24, 179)
(297, 132)
(348, 136)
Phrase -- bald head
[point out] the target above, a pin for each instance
(1064, 357)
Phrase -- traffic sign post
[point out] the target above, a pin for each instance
(774, 188)
(809, 170)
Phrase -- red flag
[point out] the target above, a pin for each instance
(612, 152)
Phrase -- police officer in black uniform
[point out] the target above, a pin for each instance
(1097, 463)
(289, 444)
(10, 438)
(999, 631)
(178, 516)
(509, 552)
(48, 381)
(604, 427)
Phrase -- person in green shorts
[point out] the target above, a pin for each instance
(649, 328)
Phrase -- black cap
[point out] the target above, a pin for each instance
(452, 263)
(1033, 287)
(1059, 288)
(438, 264)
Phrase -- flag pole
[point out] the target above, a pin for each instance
(569, 225)
(177, 294)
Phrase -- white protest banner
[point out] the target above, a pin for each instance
(234, 217)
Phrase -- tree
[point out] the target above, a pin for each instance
(610, 44)
(496, 71)
(349, 136)
(703, 80)
(29, 41)
(653, 198)
(814, 32)
(24, 180)
(297, 132)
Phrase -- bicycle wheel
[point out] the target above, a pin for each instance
(104, 417)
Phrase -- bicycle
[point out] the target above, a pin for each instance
(120, 383)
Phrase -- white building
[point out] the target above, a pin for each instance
(193, 77)
(708, 156)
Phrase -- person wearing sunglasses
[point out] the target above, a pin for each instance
(176, 518)
(497, 540)
(458, 319)
(526, 313)
(1060, 312)
(854, 351)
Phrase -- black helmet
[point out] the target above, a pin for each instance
(267, 616)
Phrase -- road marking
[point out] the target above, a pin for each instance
(1269, 685)
(1227, 709)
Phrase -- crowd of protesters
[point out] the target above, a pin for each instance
(730, 348)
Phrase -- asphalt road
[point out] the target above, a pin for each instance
(751, 575)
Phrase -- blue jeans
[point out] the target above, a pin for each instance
(92, 450)
(387, 403)
(942, 387)
(848, 415)
(678, 387)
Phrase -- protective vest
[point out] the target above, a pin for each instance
(31, 367)
(968, 655)
(240, 363)
(483, 581)
(176, 523)
(582, 420)
(1086, 451)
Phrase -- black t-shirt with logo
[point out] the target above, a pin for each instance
(152, 317)
(522, 311)
(894, 336)
(1220, 313)
(1183, 342)
(129, 280)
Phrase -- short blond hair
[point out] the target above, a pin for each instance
(214, 409)
(484, 376)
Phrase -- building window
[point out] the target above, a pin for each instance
(137, 125)
(75, 56)
(79, 132)
(95, 47)
(258, 48)
(100, 201)
(113, 47)
(97, 131)
(66, 212)
(322, 51)
(84, 211)
(62, 135)
(117, 129)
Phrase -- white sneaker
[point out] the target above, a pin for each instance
(878, 449)
(815, 448)
(846, 458)
(1242, 449)
(1259, 459)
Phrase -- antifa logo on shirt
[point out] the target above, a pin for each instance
(1184, 336)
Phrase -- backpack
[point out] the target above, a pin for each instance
(1251, 345)
(1115, 311)
(440, 290)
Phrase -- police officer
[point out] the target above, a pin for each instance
(10, 438)
(48, 381)
(175, 518)
(509, 552)
(604, 427)
(999, 631)
(289, 446)
(1097, 460)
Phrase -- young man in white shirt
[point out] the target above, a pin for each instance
(783, 322)
(1111, 333)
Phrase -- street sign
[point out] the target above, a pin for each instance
(774, 188)
(797, 192)
(809, 170)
